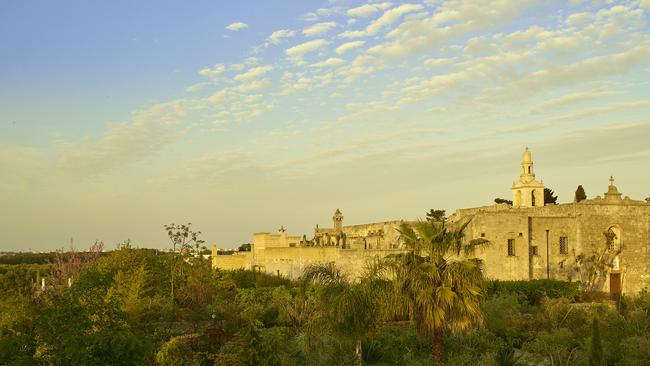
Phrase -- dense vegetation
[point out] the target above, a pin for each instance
(118, 308)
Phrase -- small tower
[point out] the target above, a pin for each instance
(527, 192)
(612, 195)
(338, 221)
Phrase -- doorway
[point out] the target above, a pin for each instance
(615, 285)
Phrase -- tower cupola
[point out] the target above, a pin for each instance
(527, 192)
(527, 173)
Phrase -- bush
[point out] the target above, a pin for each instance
(636, 351)
(504, 318)
(472, 348)
(534, 291)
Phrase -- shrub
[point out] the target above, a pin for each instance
(534, 291)
(636, 351)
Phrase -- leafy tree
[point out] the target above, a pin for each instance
(596, 353)
(549, 197)
(436, 282)
(177, 351)
(67, 267)
(647, 199)
(82, 326)
(182, 238)
(580, 194)
(503, 200)
(354, 308)
(245, 247)
(436, 215)
(257, 351)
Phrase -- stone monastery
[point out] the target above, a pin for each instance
(529, 240)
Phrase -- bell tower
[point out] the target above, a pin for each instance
(527, 191)
(527, 175)
(338, 221)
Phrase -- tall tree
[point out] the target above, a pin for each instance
(182, 238)
(580, 194)
(437, 283)
(503, 200)
(353, 307)
(596, 352)
(436, 215)
(549, 197)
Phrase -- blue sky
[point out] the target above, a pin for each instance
(119, 117)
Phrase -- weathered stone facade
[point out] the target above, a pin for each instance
(349, 246)
(529, 240)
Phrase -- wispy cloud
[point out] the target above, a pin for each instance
(279, 35)
(296, 53)
(318, 29)
(236, 26)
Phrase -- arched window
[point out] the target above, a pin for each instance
(532, 198)
(614, 238)
(528, 170)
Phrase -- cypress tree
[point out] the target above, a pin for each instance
(596, 354)
(580, 194)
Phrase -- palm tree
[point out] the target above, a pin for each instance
(436, 283)
(353, 308)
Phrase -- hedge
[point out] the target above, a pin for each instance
(533, 291)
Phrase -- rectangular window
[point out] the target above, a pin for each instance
(533, 250)
(564, 245)
(511, 247)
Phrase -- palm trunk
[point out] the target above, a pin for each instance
(438, 348)
(357, 352)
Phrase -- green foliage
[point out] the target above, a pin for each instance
(247, 279)
(432, 288)
(354, 309)
(534, 291)
(559, 346)
(505, 356)
(635, 351)
(435, 215)
(178, 352)
(473, 347)
(502, 200)
(505, 318)
(550, 198)
(245, 247)
(27, 258)
(17, 345)
(21, 279)
(118, 312)
(580, 194)
(596, 349)
(82, 326)
(257, 349)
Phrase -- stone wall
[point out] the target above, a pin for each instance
(534, 233)
(582, 224)
(239, 260)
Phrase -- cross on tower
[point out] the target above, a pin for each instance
(611, 180)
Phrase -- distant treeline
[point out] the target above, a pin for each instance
(27, 258)
(46, 258)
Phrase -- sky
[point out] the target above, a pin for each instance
(119, 117)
